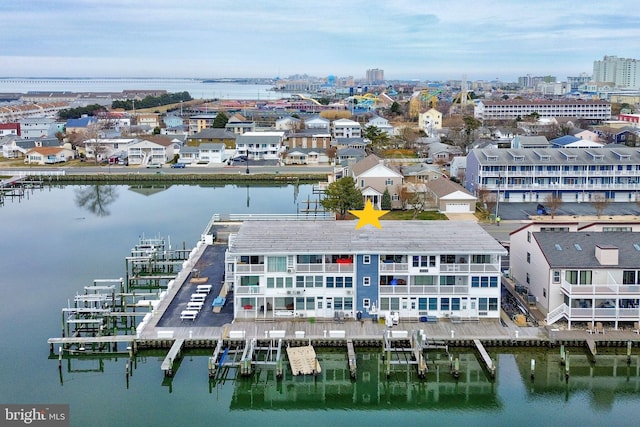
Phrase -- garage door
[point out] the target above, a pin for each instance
(457, 207)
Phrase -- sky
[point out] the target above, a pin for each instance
(408, 39)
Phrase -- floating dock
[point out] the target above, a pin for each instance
(303, 360)
(488, 362)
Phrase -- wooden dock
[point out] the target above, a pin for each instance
(485, 358)
(174, 353)
(303, 360)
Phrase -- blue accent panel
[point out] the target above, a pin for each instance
(371, 291)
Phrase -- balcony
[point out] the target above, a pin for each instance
(250, 268)
(394, 267)
(602, 290)
(613, 313)
(247, 290)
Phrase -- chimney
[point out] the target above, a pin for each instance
(607, 255)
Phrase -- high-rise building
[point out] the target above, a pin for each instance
(375, 75)
(623, 72)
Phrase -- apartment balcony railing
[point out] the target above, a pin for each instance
(602, 290)
(424, 290)
(603, 313)
(250, 268)
(247, 290)
(469, 268)
(394, 267)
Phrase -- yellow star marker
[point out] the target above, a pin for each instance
(368, 216)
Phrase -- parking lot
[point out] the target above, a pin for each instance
(518, 211)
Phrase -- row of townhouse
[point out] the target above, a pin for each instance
(416, 269)
(580, 273)
(573, 174)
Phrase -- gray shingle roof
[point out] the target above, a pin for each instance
(560, 250)
(395, 237)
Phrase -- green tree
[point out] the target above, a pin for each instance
(342, 196)
(385, 203)
(220, 121)
(395, 108)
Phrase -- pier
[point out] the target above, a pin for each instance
(174, 354)
(488, 362)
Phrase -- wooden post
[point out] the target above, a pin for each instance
(533, 369)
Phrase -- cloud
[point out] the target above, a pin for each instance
(407, 38)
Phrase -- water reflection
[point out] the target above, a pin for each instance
(372, 390)
(96, 198)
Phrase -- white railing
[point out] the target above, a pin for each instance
(23, 174)
(339, 268)
(556, 314)
(250, 268)
(600, 289)
(394, 266)
(247, 290)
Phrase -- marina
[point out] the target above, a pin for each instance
(178, 299)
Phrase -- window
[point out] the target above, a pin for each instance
(308, 281)
(253, 259)
(529, 236)
(631, 277)
(528, 279)
(493, 304)
(528, 258)
(339, 282)
(447, 280)
(366, 259)
(309, 259)
(389, 181)
(366, 303)
(424, 261)
(455, 304)
(444, 304)
(433, 303)
(249, 280)
(482, 304)
(480, 259)
(277, 264)
(422, 303)
(366, 281)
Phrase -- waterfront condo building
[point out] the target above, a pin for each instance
(585, 273)
(321, 269)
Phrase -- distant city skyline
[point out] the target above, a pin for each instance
(408, 39)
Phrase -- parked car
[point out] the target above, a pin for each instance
(154, 166)
(178, 165)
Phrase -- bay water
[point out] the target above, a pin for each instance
(54, 241)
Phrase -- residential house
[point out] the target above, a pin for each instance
(152, 150)
(520, 141)
(309, 138)
(15, 147)
(430, 121)
(239, 125)
(7, 129)
(206, 152)
(575, 175)
(382, 124)
(347, 156)
(318, 123)
(357, 143)
(48, 155)
(345, 128)
(583, 274)
(416, 269)
(450, 197)
(586, 135)
(213, 136)
(37, 127)
(373, 177)
(199, 122)
(443, 153)
(419, 173)
(304, 156)
(288, 124)
(148, 121)
(260, 145)
(458, 168)
(570, 141)
(80, 125)
(103, 148)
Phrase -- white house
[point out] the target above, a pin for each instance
(583, 274)
(345, 128)
(207, 152)
(319, 123)
(144, 152)
(48, 155)
(382, 124)
(260, 145)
